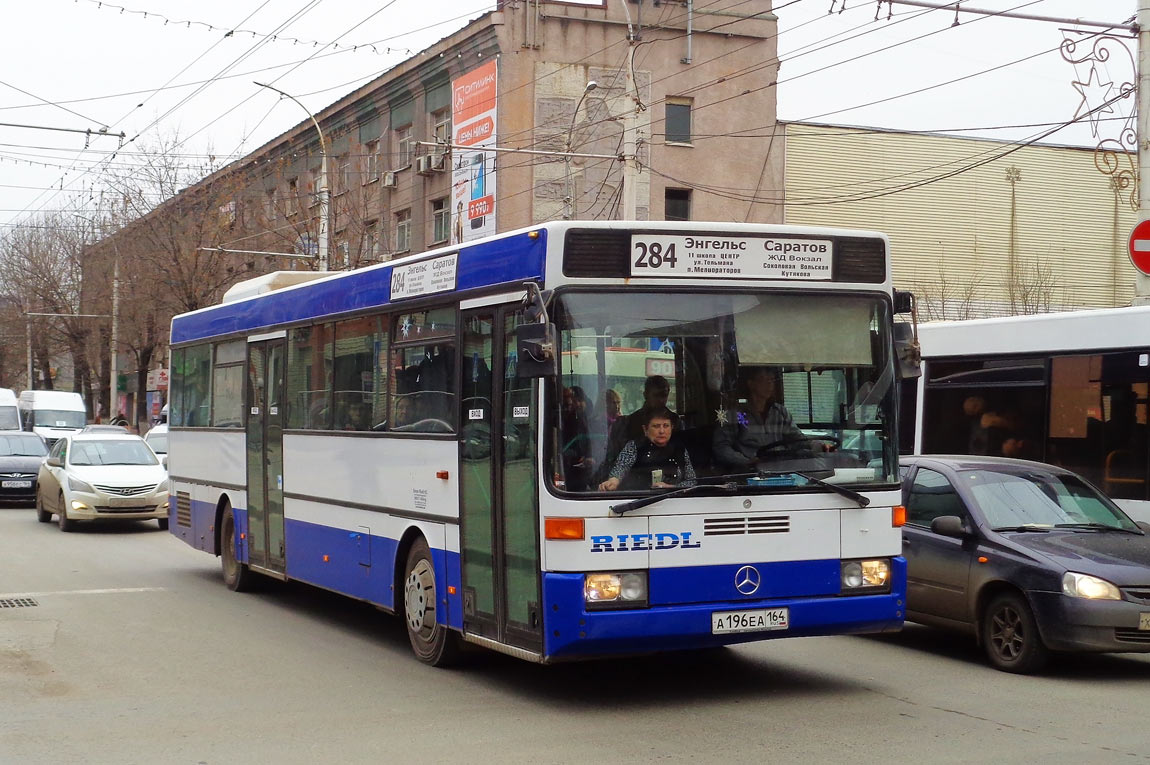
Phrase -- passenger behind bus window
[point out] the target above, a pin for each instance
(614, 407)
(654, 460)
(355, 418)
(988, 429)
(760, 422)
(656, 391)
(577, 462)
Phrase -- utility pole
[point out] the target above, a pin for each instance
(324, 192)
(630, 127)
(113, 371)
(1141, 280)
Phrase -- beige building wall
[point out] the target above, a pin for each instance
(965, 237)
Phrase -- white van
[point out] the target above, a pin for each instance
(9, 412)
(52, 413)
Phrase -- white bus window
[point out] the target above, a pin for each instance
(309, 373)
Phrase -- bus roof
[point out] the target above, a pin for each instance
(1069, 331)
(503, 260)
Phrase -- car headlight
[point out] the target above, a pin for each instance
(865, 575)
(1086, 586)
(621, 590)
(75, 484)
(163, 487)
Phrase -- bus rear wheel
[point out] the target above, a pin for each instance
(432, 642)
(237, 576)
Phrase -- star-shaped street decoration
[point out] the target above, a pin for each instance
(721, 416)
(405, 327)
(1095, 94)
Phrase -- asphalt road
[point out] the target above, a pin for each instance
(136, 653)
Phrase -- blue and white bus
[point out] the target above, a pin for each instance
(401, 434)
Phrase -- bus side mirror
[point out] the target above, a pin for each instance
(535, 349)
(903, 301)
(906, 350)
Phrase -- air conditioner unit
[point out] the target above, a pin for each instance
(438, 161)
(390, 179)
(423, 164)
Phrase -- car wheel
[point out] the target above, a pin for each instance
(1010, 635)
(66, 524)
(433, 643)
(163, 523)
(237, 576)
(42, 515)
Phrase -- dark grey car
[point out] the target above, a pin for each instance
(1029, 558)
(20, 457)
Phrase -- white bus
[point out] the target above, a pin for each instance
(1069, 388)
(397, 433)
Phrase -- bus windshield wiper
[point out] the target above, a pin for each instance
(727, 486)
(844, 491)
(1097, 527)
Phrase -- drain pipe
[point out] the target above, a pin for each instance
(690, 24)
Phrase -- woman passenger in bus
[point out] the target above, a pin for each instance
(655, 461)
(576, 433)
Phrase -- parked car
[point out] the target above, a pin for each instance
(105, 429)
(1029, 558)
(157, 438)
(20, 457)
(101, 476)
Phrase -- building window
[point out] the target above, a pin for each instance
(342, 174)
(343, 254)
(292, 195)
(371, 163)
(313, 187)
(441, 220)
(677, 204)
(270, 204)
(677, 123)
(371, 241)
(403, 231)
(403, 146)
(441, 126)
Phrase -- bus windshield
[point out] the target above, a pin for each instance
(663, 389)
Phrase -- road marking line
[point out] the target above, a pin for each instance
(48, 593)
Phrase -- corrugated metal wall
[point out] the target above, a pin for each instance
(951, 231)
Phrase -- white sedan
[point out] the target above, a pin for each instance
(99, 475)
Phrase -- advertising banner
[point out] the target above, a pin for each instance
(473, 124)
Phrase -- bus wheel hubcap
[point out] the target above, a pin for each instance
(419, 597)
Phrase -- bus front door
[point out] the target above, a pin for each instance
(498, 485)
(265, 455)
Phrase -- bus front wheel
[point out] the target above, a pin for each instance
(433, 643)
(237, 576)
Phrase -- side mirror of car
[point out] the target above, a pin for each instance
(949, 526)
(55, 462)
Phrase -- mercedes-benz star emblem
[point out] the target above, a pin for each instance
(747, 580)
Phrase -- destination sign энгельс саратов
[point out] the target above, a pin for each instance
(729, 257)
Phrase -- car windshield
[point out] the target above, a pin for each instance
(112, 452)
(158, 442)
(754, 386)
(58, 418)
(29, 445)
(1013, 498)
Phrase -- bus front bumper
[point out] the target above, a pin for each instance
(571, 631)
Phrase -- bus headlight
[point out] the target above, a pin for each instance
(865, 575)
(621, 590)
(1086, 586)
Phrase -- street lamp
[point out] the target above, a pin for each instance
(569, 200)
(323, 190)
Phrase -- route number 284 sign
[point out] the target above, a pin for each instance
(714, 256)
